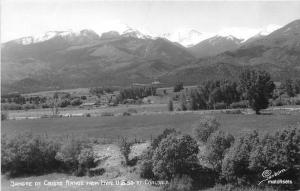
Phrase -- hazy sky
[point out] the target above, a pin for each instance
(29, 17)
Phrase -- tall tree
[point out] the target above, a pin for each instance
(289, 87)
(257, 87)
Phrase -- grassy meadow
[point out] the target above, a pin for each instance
(147, 126)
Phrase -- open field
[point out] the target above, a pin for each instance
(93, 111)
(147, 126)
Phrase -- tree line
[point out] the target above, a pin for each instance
(254, 89)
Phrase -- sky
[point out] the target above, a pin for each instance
(21, 18)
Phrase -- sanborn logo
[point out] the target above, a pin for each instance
(267, 174)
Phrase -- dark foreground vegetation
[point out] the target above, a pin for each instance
(29, 154)
(231, 162)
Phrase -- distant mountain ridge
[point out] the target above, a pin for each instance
(83, 59)
(215, 45)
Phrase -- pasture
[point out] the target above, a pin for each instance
(147, 126)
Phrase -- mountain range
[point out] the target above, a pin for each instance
(66, 59)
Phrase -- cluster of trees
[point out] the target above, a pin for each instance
(59, 99)
(178, 87)
(19, 99)
(225, 160)
(28, 154)
(291, 87)
(210, 94)
(136, 93)
(256, 87)
(98, 91)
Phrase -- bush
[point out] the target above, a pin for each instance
(146, 169)
(126, 113)
(29, 106)
(279, 102)
(180, 183)
(45, 106)
(175, 155)
(220, 105)
(11, 106)
(160, 137)
(217, 145)
(65, 103)
(170, 105)
(236, 161)
(4, 116)
(205, 128)
(178, 87)
(107, 114)
(252, 153)
(27, 154)
(85, 162)
(125, 146)
(297, 102)
(240, 104)
(76, 102)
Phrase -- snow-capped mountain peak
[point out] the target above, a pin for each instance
(67, 35)
(186, 36)
(130, 32)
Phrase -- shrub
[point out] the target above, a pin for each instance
(252, 153)
(175, 155)
(76, 102)
(205, 128)
(85, 161)
(279, 102)
(220, 105)
(160, 137)
(125, 146)
(236, 161)
(107, 114)
(170, 105)
(4, 116)
(126, 113)
(146, 169)
(28, 106)
(180, 183)
(297, 102)
(240, 104)
(45, 106)
(76, 155)
(178, 87)
(28, 154)
(65, 103)
(11, 106)
(217, 145)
